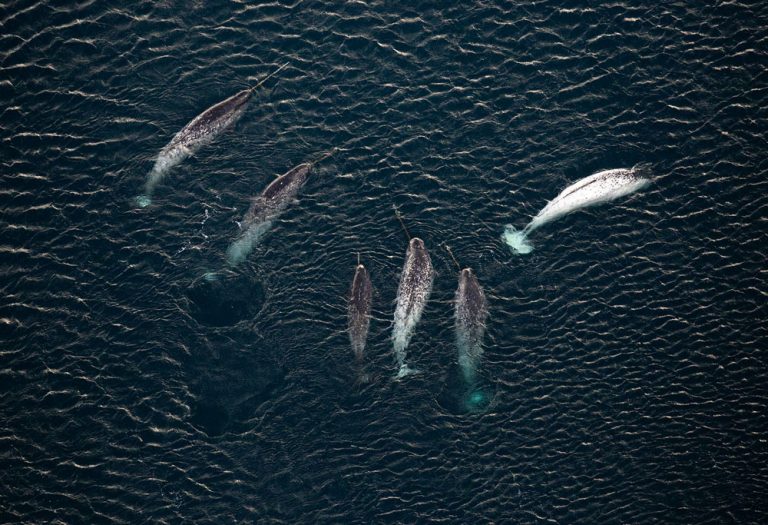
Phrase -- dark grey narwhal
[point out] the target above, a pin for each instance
(359, 310)
(199, 132)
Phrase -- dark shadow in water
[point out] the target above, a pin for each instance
(355, 392)
(457, 397)
(224, 299)
(230, 387)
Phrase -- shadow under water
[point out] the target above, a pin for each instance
(229, 384)
(224, 299)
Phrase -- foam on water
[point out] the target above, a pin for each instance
(405, 371)
(142, 201)
(517, 240)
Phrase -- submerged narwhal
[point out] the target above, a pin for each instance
(470, 314)
(471, 310)
(196, 134)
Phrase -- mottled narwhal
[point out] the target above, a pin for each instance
(470, 314)
(412, 295)
(471, 310)
(199, 132)
(359, 311)
(266, 207)
(600, 187)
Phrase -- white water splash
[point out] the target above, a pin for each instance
(190, 244)
(517, 239)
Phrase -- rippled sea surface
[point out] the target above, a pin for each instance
(625, 357)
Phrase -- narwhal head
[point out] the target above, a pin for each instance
(416, 244)
(466, 279)
(360, 272)
(471, 294)
(300, 173)
(239, 100)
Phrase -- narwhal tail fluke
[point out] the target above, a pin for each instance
(517, 239)
(642, 169)
(644, 175)
(153, 179)
(475, 398)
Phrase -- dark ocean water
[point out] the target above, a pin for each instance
(625, 356)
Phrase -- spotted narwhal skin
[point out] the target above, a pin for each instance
(196, 134)
(471, 311)
(265, 208)
(599, 187)
(412, 296)
(277, 196)
(359, 310)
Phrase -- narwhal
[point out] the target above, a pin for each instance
(266, 207)
(359, 311)
(412, 295)
(599, 187)
(199, 132)
(470, 312)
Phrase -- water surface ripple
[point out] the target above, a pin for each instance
(625, 354)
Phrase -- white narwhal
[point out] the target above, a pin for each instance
(600, 187)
